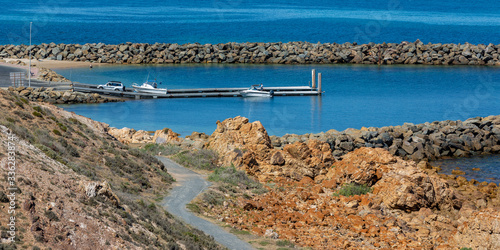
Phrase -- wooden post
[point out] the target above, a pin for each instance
(313, 78)
(319, 83)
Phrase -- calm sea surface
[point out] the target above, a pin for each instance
(217, 21)
(355, 96)
(489, 167)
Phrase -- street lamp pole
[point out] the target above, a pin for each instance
(29, 76)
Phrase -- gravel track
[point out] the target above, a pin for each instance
(189, 185)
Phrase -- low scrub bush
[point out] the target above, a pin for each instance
(23, 115)
(62, 127)
(213, 198)
(166, 149)
(38, 109)
(200, 159)
(351, 189)
(37, 114)
(234, 177)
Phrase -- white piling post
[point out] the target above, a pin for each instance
(29, 76)
(313, 78)
(319, 83)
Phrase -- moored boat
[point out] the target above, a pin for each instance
(256, 91)
(149, 86)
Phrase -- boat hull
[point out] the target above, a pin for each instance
(255, 93)
(150, 91)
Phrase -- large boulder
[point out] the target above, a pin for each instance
(234, 136)
(247, 146)
(141, 136)
(398, 184)
(365, 166)
(124, 135)
(166, 135)
(411, 189)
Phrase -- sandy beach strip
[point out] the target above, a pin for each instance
(50, 64)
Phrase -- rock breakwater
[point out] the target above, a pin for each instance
(59, 97)
(416, 142)
(273, 53)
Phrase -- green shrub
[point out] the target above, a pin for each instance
(20, 104)
(234, 177)
(24, 100)
(284, 243)
(37, 114)
(62, 127)
(56, 132)
(74, 121)
(9, 119)
(200, 159)
(38, 109)
(156, 149)
(351, 189)
(193, 208)
(213, 198)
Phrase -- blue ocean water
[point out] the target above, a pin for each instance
(488, 165)
(355, 96)
(217, 21)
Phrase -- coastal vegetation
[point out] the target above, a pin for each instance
(72, 173)
(350, 189)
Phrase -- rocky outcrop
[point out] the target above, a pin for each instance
(407, 207)
(93, 189)
(275, 53)
(237, 140)
(399, 184)
(248, 146)
(129, 135)
(59, 97)
(49, 75)
(480, 135)
(166, 135)
(162, 136)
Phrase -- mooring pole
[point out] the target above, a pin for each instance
(319, 83)
(313, 78)
(29, 77)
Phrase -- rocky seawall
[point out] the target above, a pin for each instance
(273, 53)
(416, 142)
(59, 97)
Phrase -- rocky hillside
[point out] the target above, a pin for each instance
(77, 187)
(368, 200)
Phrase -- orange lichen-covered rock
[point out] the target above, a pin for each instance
(247, 146)
(479, 231)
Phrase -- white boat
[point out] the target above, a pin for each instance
(256, 91)
(149, 86)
